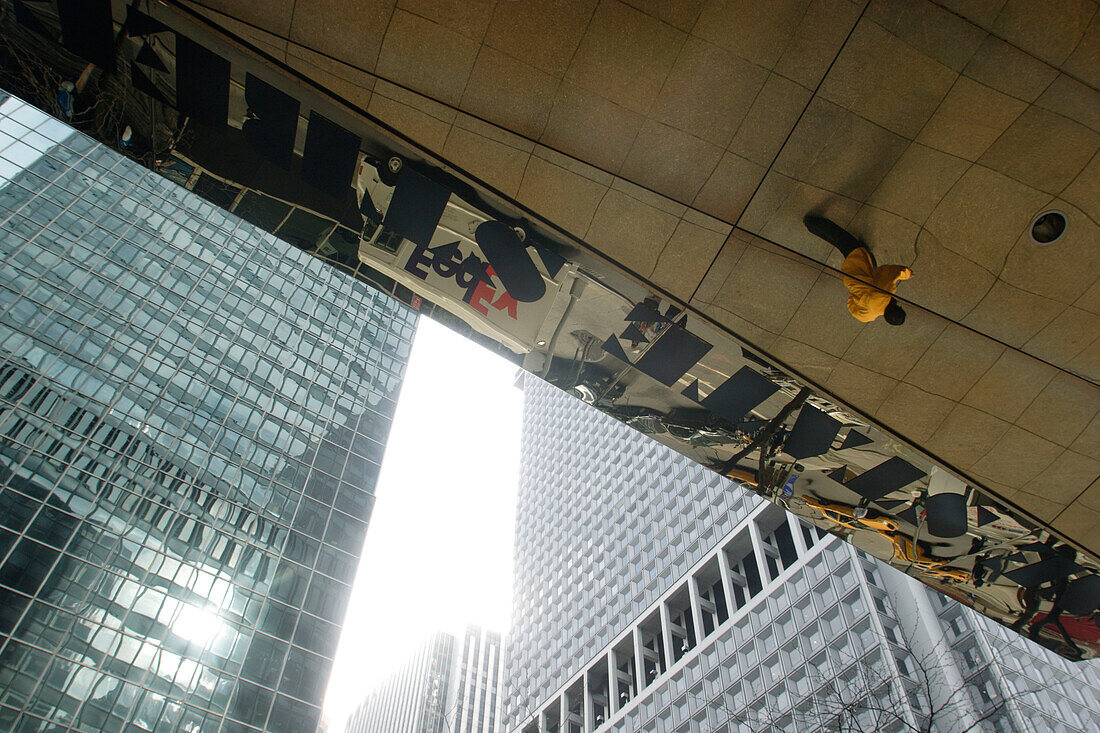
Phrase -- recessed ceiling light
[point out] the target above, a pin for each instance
(1048, 227)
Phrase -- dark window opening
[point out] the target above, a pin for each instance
(304, 230)
(345, 246)
(719, 596)
(787, 552)
(216, 191)
(387, 241)
(773, 566)
(262, 211)
(752, 573)
(807, 534)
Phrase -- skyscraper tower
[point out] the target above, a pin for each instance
(477, 677)
(447, 686)
(653, 595)
(413, 699)
(192, 415)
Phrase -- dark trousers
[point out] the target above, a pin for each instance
(835, 235)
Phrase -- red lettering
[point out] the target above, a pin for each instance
(506, 301)
(482, 294)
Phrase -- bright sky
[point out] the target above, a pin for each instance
(438, 552)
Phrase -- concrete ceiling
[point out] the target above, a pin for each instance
(687, 139)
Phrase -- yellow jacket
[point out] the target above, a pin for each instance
(870, 288)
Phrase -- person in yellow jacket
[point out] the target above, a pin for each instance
(870, 287)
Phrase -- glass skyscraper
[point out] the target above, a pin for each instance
(192, 416)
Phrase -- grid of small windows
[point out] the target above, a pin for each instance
(825, 641)
(414, 699)
(192, 415)
(478, 674)
(1038, 685)
(598, 537)
(808, 621)
(808, 627)
(786, 659)
(446, 687)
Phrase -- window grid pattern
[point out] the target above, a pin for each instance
(192, 416)
(449, 685)
(414, 698)
(599, 536)
(612, 535)
(779, 652)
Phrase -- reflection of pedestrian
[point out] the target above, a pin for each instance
(870, 287)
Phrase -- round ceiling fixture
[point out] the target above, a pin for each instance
(1048, 227)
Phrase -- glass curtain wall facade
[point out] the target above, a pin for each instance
(192, 416)
(653, 595)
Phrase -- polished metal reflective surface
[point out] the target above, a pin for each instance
(715, 385)
(638, 356)
(192, 416)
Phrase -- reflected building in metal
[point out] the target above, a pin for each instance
(192, 416)
(974, 475)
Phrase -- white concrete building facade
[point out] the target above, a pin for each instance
(446, 686)
(652, 595)
(412, 699)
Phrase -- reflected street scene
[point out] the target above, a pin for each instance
(748, 358)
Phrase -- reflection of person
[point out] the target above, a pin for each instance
(870, 287)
